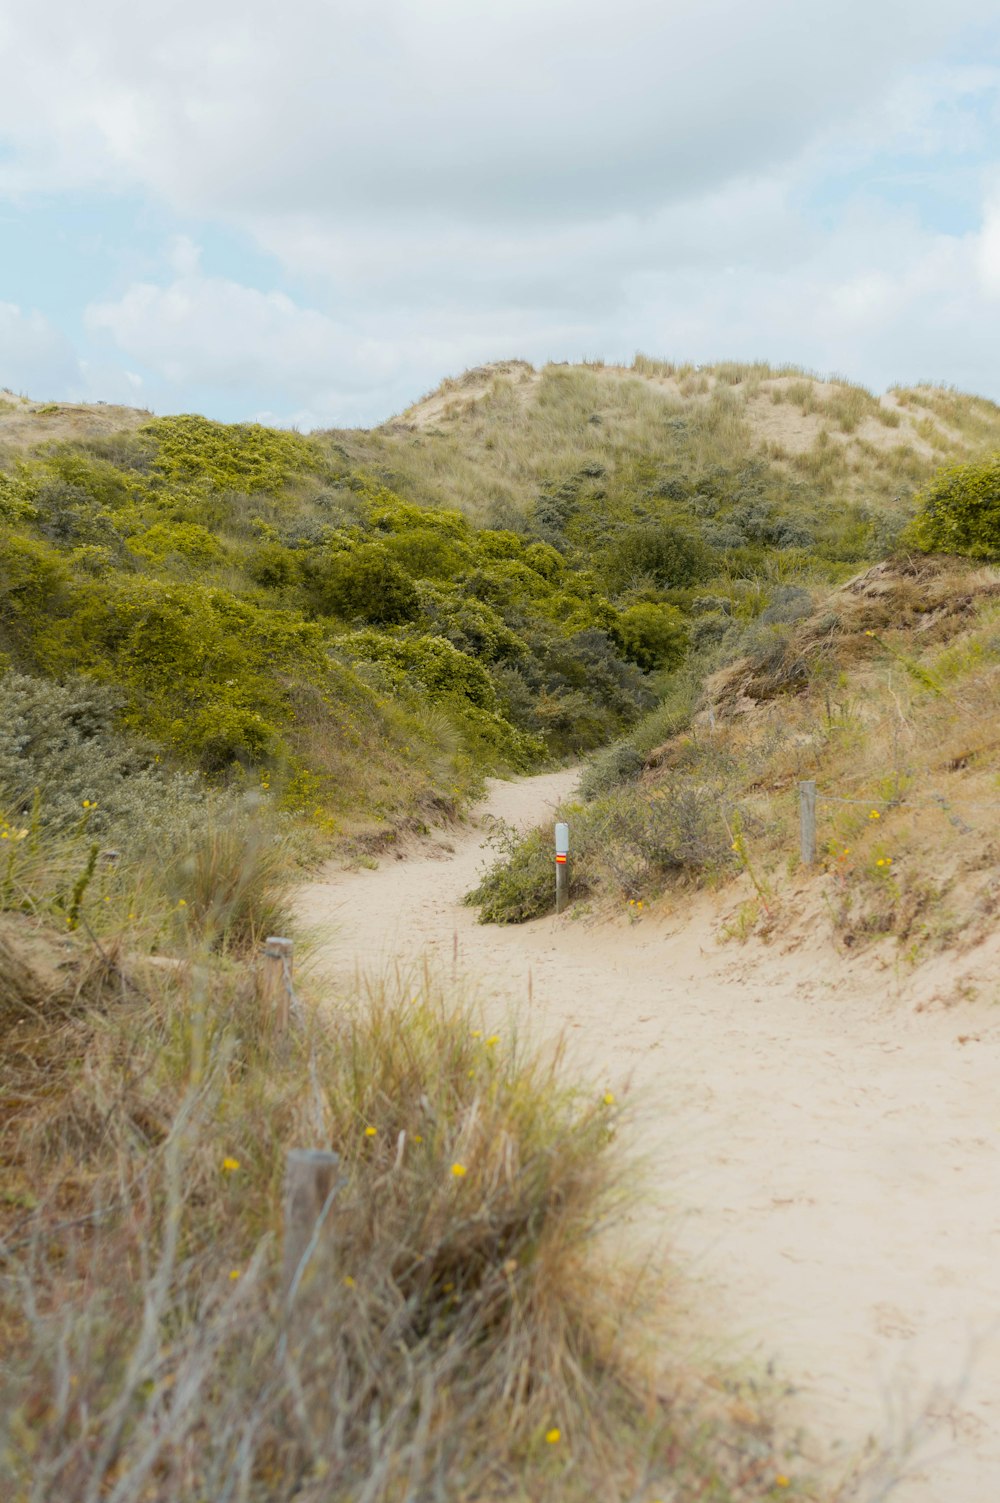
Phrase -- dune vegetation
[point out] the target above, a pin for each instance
(228, 652)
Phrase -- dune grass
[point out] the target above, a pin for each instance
(462, 1326)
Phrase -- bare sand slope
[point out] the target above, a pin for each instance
(824, 1157)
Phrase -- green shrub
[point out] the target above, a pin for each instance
(63, 755)
(618, 764)
(273, 566)
(665, 553)
(652, 636)
(186, 540)
(959, 512)
(366, 584)
(432, 662)
(16, 497)
(623, 845)
(242, 457)
(33, 578)
(426, 553)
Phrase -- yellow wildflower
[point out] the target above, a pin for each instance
(370, 1132)
(348, 1281)
(230, 1165)
(477, 1033)
(609, 1098)
(494, 1038)
(553, 1436)
(874, 814)
(781, 1480)
(458, 1170)
(417, 1138)
(234, 1274)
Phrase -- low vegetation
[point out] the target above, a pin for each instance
(456, 1326)
(223, 649)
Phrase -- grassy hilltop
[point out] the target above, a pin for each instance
(226, 651)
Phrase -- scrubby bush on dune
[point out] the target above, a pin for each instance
(960, 512)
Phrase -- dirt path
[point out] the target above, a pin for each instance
(826, 1158)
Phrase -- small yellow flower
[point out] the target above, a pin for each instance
(609, 1098)
(494, 1038)
(869, 633)
(874, 814)
(348, 1281)
(447, 1288)
(182, 902)
(230, 1165)
(477, 1033)
(234, 1274)
(781, 1480)
(86, 803)
(370, 1132)
(553, 1436)
(417, 1138)
(458, 1170)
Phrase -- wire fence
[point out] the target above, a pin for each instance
(811, 799)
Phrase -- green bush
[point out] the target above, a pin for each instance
(273, 566)
(959, 512)
(652, 636)
(185, 540)
(33, 578)
(63, 756)
(366, 584)
(433, 662)
(665, 553)
(242, 457)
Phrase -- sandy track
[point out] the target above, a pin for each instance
(825, 1158)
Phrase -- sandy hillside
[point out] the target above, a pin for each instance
(788, 414)
(824, 1153)
(24, 423)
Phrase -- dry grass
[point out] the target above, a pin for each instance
(456, 1329)
(886, 697)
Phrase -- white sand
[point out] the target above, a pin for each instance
(825, 1156)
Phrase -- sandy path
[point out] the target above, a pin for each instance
(825, 1158)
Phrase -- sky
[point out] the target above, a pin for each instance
(311, 213)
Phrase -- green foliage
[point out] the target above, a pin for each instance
(273, 566)
(366, 584)
(427, 553)
(63, 755)
(625, 843)
(653, 636)
(32, 580)
(16, 497)
(666, 554)
(184, 540)
(432, 662)
(243, 457)
(198, 663)
(960, 512)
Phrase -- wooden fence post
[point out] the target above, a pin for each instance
(310, 1183)
(276, 979)
(807, 822)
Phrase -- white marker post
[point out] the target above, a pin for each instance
(562, 867)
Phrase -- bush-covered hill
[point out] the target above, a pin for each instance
(359, 625)
(268, 614)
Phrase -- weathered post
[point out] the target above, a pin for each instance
(807, 822)
(276, 979)
(310, 1183)
(562, 866)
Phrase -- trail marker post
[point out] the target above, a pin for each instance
(807, 823)
(562, 867)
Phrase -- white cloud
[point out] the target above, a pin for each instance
(551, 178)
(35, 358)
